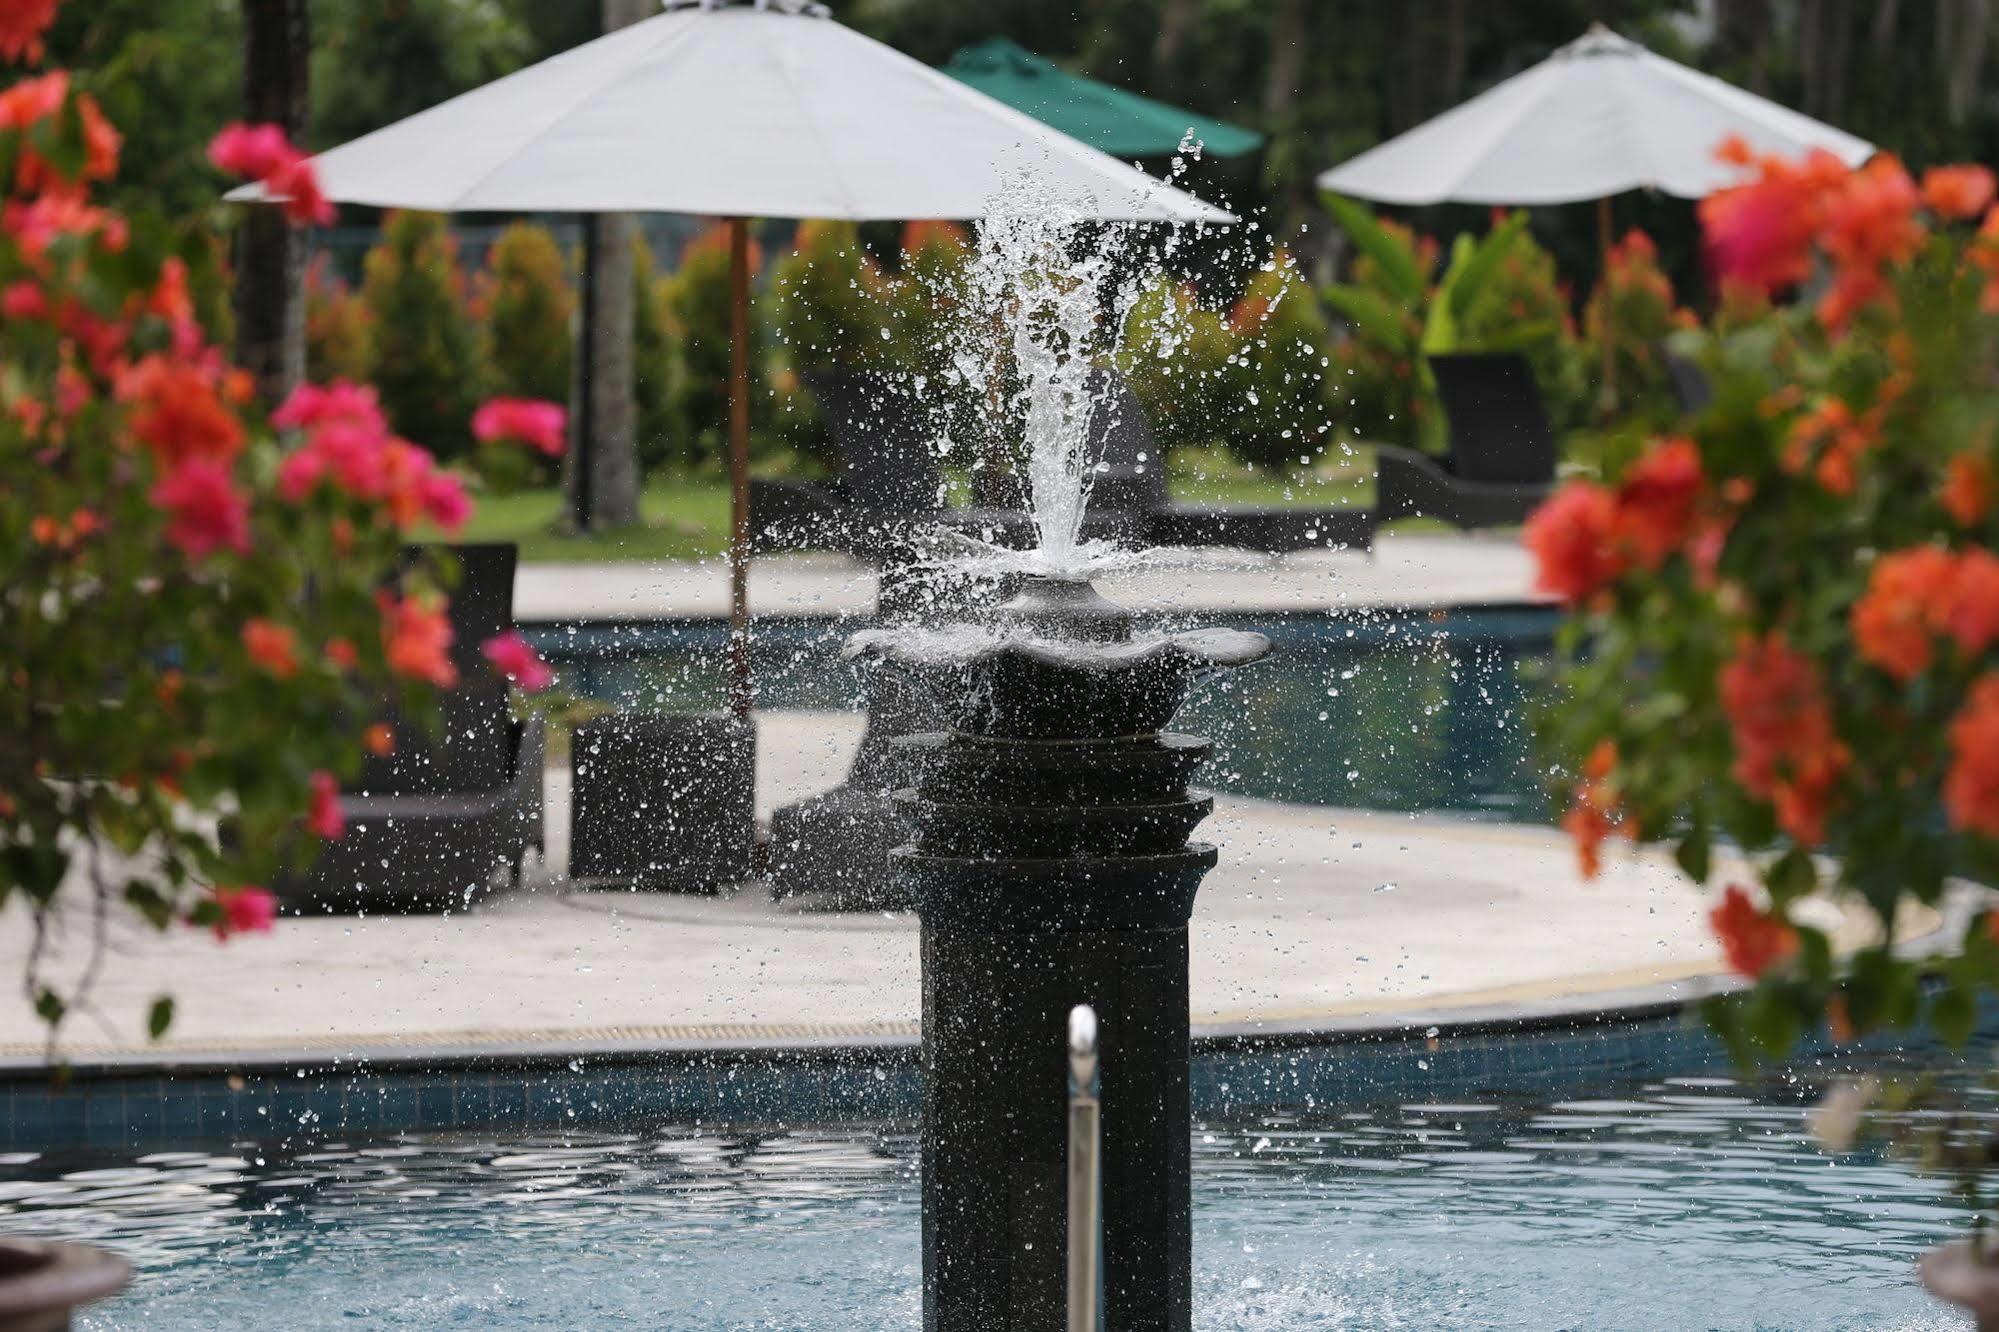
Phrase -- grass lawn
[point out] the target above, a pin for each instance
(683, 519)
(687, 518)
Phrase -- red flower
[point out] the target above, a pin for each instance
(541, 425)
(1972, 617)
(272, 646)
(24, 300)
(1870, 216)
(1594, 815)
(1656, 499)
(245, 910)
(178, 411)
(205, 511)
(323, 818)
(1572, 537)
(1787, 750)
(416, 637)
(48, 218)
(1753, 941)
(379, 740)
(1971, 789)
(1895, 621)
(296, 184)
(1967, 489)
(101, 142)
(1958, 192)
(512, 657)
(341, 654)
(1759, 234)
(22, 23)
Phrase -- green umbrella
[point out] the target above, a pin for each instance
(1112, 120)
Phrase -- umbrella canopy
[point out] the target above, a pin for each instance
(1120, 123)
(767, 111)
(1600, 116)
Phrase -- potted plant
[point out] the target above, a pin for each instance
(1784, 617)
(180, 580)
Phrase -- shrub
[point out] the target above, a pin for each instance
(527, 305)
(339, 330)
(195, 615)
(1174, 354)
(1633, 307)
(696, 311)
(831, 306)
(427, 360)
(1783, 653)
(1274, 382)
(1521, 306)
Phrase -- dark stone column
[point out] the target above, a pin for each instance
(269, 290)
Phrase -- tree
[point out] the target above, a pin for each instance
(426, 352)
(528, 306)
(270, 253)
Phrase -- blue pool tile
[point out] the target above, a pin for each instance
(67, 1124)
(435, 1106)
(509, 1100)
(396, 1109)
(474, 1103)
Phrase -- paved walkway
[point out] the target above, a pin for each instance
(1416, 571)
(1317, 919)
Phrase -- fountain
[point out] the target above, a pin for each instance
(1050, 866)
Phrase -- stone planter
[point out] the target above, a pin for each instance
(42, 1282)
(1957, 1276)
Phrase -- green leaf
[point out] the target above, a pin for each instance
(1694, 853)
(1791, 876)
(1954, 1013)
(1391, 256)
(1480, 262)
(160, 1016)
(49, 1006)
(1371, 314)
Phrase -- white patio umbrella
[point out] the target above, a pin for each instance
(1598, 117)
(766, 108)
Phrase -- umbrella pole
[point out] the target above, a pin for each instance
(1608, 396)
(739, 466)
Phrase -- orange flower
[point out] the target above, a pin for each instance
(1958, 192)
(1787, 750)
(1870, 216)
(1759, 234)
(342, 654)
(1595, 815)
(1828, 440)
(1753, 941)
(1971, 789)
(178, 411)
(1967, 489)
(1972, 617)
(1908, 593)
(416, 637)
(272, 646)
(379, 740)
(1572, 537)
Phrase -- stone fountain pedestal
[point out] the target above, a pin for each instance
(1050, 867)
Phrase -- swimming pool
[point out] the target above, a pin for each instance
(1630, 1203)
(1378, 710)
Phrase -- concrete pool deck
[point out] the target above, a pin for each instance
(1418, 571)
(1317, 921)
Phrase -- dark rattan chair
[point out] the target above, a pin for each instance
(429, 825)
(1501, 462)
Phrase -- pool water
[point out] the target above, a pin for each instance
(1378, 711)
(1666, 1204)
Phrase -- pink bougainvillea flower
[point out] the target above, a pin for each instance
(1573, 540)
(250, 151)
(272, 646)
(323, 818)
(444, 500)
(1759, 234)
(22, 23)
(416, 637)
(1958, 192)
(313, 405)
(24, 300)
(205, 510)
(42, 221)
(245, 909)
(1752, 940)
(264, 154)
(540, 425)
(512, 657)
